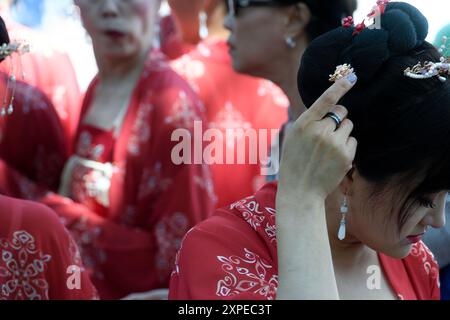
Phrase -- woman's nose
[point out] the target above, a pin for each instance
(436, 217)
(109, 8)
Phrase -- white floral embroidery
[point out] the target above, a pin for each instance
(84, 237)
(141, 130)
(250, 211)
(268, 88)
(246, 274)
(153, 181)
(169, 233)
(21, 268)
(183, 113)
(271, 232)
(190, 69)
(422, 252)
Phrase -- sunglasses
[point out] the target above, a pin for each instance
(233, 6)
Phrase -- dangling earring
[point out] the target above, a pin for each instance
(203, 30)
(290, 42)
(344, 210)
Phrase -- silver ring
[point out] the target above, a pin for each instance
(335, 117)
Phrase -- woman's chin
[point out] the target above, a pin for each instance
(398, 252)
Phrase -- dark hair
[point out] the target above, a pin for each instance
(402, 125)
(326, 15)
(4, 37)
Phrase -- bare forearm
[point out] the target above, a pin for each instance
(304, 255)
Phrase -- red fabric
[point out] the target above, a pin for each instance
(233, 101)
(48, 69)
(97, 145)
(38, 256)
(172, 45)
(153, 202)
(33, 149)
(233, 255)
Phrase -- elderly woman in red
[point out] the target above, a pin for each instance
(122, 197)
(39, 260)
(346, 218)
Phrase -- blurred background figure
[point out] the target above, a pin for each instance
(179, 28)
(36, 249)
(268, 39)
(231, 100)
(47, 68)
(122, 196)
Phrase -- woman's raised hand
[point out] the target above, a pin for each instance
(316, 153)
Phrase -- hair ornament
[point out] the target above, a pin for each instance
(342, 71)
(428, 70)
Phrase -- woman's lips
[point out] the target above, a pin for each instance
(114, 34)
(415, 239)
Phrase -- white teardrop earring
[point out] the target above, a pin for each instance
(203, 28)
(344, 210)
(290, 42)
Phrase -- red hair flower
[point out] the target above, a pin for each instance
(382, 5)
(348, 22)
(360, 27)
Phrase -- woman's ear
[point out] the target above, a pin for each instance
(347, 183)
(298, 17)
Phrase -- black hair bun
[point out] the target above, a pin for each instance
(403, 28)
(4, 37)
(406, 25)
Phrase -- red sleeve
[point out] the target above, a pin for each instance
(32, 145)
(223, 258)
(105, 245)
(66, 274)
(40, 260)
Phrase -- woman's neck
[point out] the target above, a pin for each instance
(120, 70)
(286, 78)
(216, 21)
(349, 251)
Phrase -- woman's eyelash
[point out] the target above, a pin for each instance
(424, 202)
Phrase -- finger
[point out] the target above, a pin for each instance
(329, 122)
(324, 104)
(351, 147)
(345, 129)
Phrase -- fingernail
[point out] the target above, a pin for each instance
(352, 78)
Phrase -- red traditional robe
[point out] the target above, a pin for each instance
(33, 148)
(131, 205)
(39, 260)
(233, 255)
(234, 101)
(48, 69)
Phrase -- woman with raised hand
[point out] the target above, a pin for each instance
(364, 172)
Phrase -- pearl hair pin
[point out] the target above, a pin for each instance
(428, 70)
